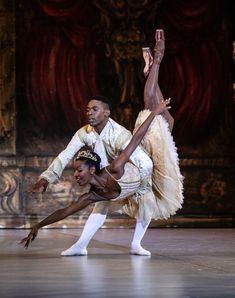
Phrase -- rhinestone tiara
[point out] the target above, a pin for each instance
(86, 154)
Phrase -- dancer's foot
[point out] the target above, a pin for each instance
(148, 58)
(159, 48)
(74, 250)
(140, 251)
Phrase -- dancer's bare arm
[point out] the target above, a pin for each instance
(116, 168)
(60, 214)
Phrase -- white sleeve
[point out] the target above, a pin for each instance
(56, 168)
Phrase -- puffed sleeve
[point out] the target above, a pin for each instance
(56, 168)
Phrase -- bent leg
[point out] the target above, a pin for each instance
(93, 223)
(140, 230)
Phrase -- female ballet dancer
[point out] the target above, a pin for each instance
(120, 181)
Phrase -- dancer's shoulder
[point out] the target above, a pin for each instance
(116, 126)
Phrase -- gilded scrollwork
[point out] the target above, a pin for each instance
(9, 193)
(215, 187)
(7, 78)
(125, 24)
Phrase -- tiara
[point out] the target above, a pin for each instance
(86, 154)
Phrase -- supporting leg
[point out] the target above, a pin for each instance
(140, 230)
(94, 222)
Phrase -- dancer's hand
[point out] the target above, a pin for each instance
(162, 106)
(42, 183)
(31, 236)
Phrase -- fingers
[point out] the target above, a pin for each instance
(23, 240)
(27, 240)
(27, 243)
(165, 104)
(166, 101)
(41, 184)
(33, 188)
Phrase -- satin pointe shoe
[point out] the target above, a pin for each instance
(159, 48)
(148, 58)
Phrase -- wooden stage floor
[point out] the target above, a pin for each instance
(185, 263)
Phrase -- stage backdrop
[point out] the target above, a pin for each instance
(56, 54)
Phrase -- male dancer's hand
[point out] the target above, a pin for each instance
(42, 183)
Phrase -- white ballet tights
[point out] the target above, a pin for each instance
(140, 230)
(94, 222)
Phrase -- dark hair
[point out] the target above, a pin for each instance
(90, 158)
(104, 99)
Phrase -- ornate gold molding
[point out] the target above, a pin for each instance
(7, 78)
(9, 192)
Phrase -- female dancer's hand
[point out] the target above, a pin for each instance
(162, 106)
(31, 236)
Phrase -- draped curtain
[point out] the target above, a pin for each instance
(195, 72)
(60, 62)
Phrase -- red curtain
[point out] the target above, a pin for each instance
(195, 70)
(60, 62)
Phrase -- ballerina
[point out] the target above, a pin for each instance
(120, 182)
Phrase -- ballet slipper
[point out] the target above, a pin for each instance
(140, 251)
(148, 58)
(74, 250)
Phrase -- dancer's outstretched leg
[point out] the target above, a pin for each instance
(152, 92)
(152, 96)
(140, 230)
(94, 222)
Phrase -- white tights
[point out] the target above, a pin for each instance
(94, 222)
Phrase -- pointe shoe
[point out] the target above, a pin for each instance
(148, 58)
(159, 48)
(140, 251)
(74, 250)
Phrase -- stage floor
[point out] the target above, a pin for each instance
(185, 263)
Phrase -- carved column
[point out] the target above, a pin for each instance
(7, 78)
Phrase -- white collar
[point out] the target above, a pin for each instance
(109, 125)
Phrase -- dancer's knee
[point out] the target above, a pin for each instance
(101, 207)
